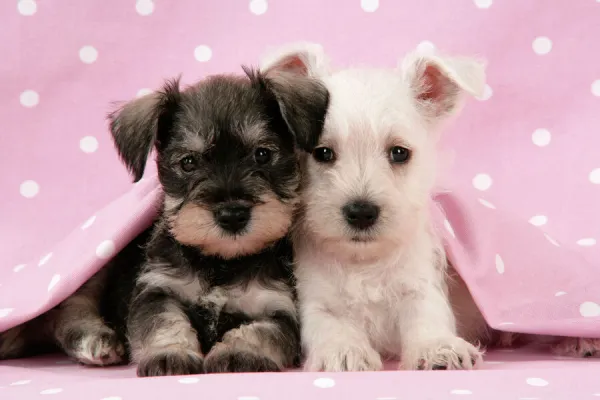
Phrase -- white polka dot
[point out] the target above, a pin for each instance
(426, 47)
(44, 259)
(597, 394)
(541, 137)
(19, 383)
(143, 92)
(487, 204)
(542, 45)
(88, 54)
(482, 182)
(5, 311)
(483, 3)
(29, 98)
(538, 220)
(558, 294)
(55, 279)
(494, 362)
(88, 144)
(324, 383)
(589, 309)
(461, 391)
(596, 88)
(88, 223)
(586, 242)
(105, 249)
(112, 398)
(595, 176)
(506, 323)
(487, 93)
(203, 53)
(537, 382)
(499, 264)
(19, 267)
(369, 5)
(29, 189)
(449, 228)
(144, 7)
(51, 391)
(27, 7)
(189, 380)
(551, 240)
(259, 7)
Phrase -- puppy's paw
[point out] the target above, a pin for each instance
(577, 347)
(351, 358)
(101, 347)
(443, 353)
(169, 361)
(221, 360)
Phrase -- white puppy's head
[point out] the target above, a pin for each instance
(368, 183)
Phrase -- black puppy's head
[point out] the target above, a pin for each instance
(226, 154)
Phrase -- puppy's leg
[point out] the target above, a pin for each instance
(427, 324)
(335, 344)
(79, 329)
(267, 345)
(162, 339)
(28, 339)
(576, 347)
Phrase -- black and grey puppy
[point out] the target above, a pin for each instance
(214, 291)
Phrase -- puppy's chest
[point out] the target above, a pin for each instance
(367, 297)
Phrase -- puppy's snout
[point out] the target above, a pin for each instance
(233, 217)
(361, 214)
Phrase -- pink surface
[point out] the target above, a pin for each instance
(522, 201)
(524, 375)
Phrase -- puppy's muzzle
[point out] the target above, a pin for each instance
(233, 217)
(361, 214)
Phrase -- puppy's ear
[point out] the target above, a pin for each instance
(301, 58)
(438, 83)
(143, 123)
(302, 102)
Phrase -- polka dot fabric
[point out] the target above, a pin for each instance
(519, 205)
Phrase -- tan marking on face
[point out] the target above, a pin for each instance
(194, 225)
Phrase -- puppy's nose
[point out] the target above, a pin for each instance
(361, 214)
(233, 218)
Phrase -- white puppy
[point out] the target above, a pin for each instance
(370, 266)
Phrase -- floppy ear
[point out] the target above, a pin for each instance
(300, 58)
(290, 73)
(438, 83)
(143, 123)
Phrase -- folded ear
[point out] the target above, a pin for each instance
(438, 83)
(302, 102)
(300, 58)
(141, 124)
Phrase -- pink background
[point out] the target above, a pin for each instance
(522, 198)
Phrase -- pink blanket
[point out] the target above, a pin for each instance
(522, 198)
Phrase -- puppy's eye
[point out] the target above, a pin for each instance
(262, 155)
(323, 154)
(399, 155)
(188, 163)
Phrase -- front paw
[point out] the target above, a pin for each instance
(442, 353)
(170, 362)
(221, 360)
(351, 358)
(577, 347)
(101, 347)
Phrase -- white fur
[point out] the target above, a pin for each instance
(386, 296)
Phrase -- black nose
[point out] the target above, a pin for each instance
(233, 218)
(361, 214)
